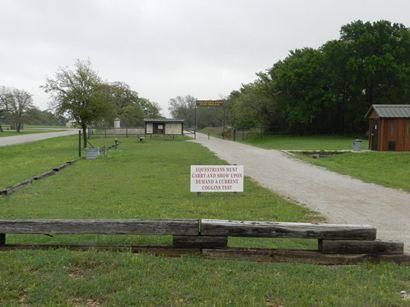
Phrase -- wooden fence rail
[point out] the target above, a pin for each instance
(210, 237)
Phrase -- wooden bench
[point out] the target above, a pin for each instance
(213, 234)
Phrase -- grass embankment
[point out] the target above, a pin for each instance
(391, 169)
(288, 142)
(23, 161)
(26, 131)
(151, 180)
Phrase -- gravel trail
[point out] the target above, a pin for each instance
(28, 138)
(340, 198)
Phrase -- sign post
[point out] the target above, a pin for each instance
(207, 103)
(217, 178)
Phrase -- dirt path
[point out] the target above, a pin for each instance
(340, 198)
(27, 138)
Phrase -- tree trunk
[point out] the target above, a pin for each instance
(18, 127)
(84, 128)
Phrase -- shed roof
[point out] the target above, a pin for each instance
(391, 110)
(163, 120)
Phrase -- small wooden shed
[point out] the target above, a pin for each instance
(389, 127)
(164, 126)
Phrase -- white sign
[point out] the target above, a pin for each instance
(216, 178)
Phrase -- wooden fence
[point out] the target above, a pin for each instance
(105, 132)
(337, 243)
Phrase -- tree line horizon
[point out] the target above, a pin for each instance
(313, 90)
(325, 90)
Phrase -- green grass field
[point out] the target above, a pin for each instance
(151, 180)
(25, 131)
(391, 169)
(289, 142)
(21, 162)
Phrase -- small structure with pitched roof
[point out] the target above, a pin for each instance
(164, 126)
(389, 127)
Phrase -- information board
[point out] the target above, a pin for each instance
(210, 103)
(217, 178)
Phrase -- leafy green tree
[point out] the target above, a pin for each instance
(16, 103)
(329, 89)
(128, 106)
(35, 116)
(183, 107)
(80, 94)
(149, 108)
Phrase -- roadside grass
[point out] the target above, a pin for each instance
(124, 279)
(144, 180)
(317, 142)
(390, 169)
(151, 180)
(21, 162)
(44, 126)
(25, 131)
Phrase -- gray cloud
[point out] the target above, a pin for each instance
(168, 48)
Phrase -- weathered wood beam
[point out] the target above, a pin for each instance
(137, 227)
(303, 256)
(4, 192)
(19, 185)
(258, 255)
(360, 247)
(286, 230)
(199, 242)
(60, 167)
(44, 175)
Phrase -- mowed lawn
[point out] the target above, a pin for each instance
(290, 142)
(21, 162)
(391, 169)
(151, 180)
(25, 131)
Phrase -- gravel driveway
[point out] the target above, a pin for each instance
(27, 138)
(340, 198)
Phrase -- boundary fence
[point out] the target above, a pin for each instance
(235, 133)
(136, 131)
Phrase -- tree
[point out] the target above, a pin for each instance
(128, 106)
(329, 89)
(36, 116)
(16, 103)
(149, 108)
(183, 108)
(80, 93)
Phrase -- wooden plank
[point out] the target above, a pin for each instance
(60, 167)
(138, 227)
(199, 242)
(44, 175)
(302, 256)
(4, 192)
(19, 185)
(360, 247)
(286, 230)
(258, 255)
(2, 239)
(168, 251)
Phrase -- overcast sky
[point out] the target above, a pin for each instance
(166, 48)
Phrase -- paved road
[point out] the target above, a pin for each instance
(340, 198)
(27, 138)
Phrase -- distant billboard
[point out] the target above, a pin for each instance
(210, 103)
